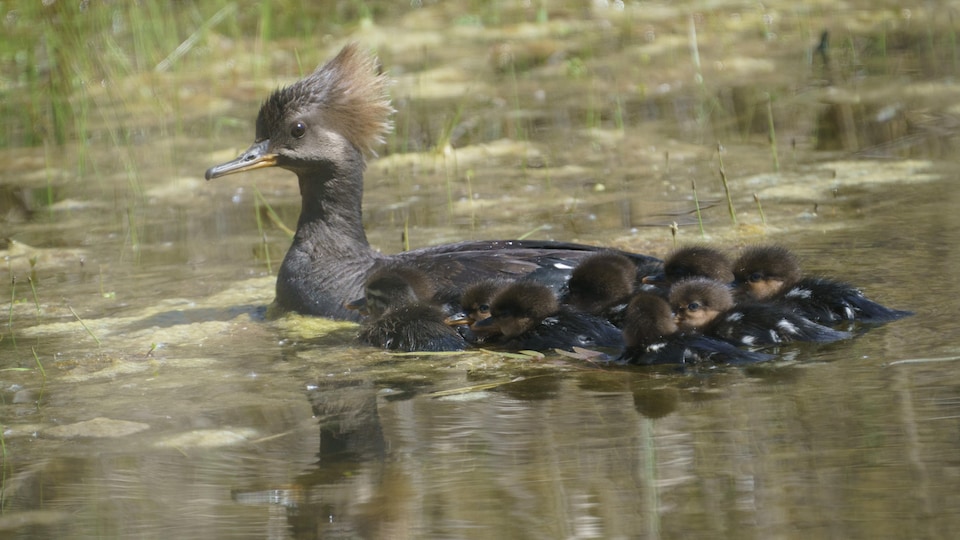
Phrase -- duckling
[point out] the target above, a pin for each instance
(320, 128)
(772, 274)
(527, 315)
(704, 306)
(693, 261)
(601, 285)
(651, 336)
(401, 315)
(475, 307)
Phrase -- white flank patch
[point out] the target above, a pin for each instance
(798, 292)
(788, 327)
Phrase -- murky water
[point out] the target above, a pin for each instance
(169, 406)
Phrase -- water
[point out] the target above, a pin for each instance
(178, 409)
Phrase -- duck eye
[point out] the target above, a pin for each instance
(298, 130)
(755, 277)
(693, 306)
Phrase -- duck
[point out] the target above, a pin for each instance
(773, 274)
(705, 306)
(651, 336)
(690, 262)
(601, 284)
(402, 315)
(527, 315)
(321, 128)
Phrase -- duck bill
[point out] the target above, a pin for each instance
(457, 319)
(255, 157)
(359, 305)
(655, 279)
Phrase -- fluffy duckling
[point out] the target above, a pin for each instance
(527, 315)
(401, 315)
(690, 262)
(602, 285)
(651, 336)
(706, 307)
(772, 274)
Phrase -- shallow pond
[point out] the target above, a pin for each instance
(145, 393)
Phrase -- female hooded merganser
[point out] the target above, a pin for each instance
(772, 274)
(527, 315)
(652, 336)
(402, 316)
(693, 261)
(705, 306)
(601, 285)
(319, 128)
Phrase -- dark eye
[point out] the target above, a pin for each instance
(693, 306)
(755, 277)
(298, 130)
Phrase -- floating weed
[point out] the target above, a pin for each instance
(188, 44)
(449, 178)
(13, 297)
(674, 231)
(132, 235)
(924, 360)
(104, 293)
(726, 186)
(763, 218)
(85, 327)
(484, 386)
(618, 114)
(772, 134)
(43, 375)
(696, 202)
(473, 209)
(263, 235)
(531, 232)
(274, 218)
(4, 465)
(36, 299)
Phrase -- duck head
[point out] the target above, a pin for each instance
(600, 281)
(698, 301)
(762, 272)
(326, 119)
(648, 320)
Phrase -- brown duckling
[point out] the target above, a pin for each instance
(693, 261)
(602, 285)
(402, 316)
(773, 274)
(528, 315)
(651, 336)
(319, 128)
(704, 306)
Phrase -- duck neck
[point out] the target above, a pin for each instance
(330, 256)
(331, 215)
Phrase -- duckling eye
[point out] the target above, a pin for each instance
(483, 307)
(755, 277)
(693, 306)
(298, 130)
